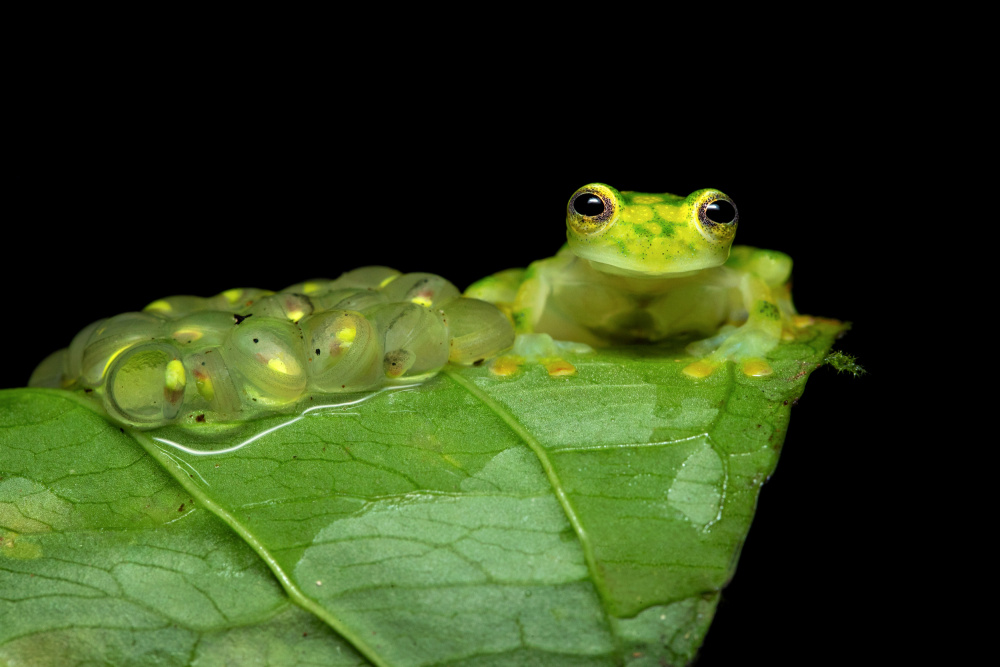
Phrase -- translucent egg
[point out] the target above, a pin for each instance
(49, 373)
(282, 306)
(310, 288)
(365, 277)
(238, 298)
(246, 348)
(344, 352)
(477, 329)
(207, 328)
(414, 339)
(146, 384)
(173, 307)
(113, 337)
(349, 299)
(73, 365)
(267, 357)
(212, 382)
(423, 289)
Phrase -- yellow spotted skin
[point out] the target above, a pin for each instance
(644, 267)
(646, 234)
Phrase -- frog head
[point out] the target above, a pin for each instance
(641, 234)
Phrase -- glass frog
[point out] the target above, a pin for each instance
(641, 267)
(637, 267)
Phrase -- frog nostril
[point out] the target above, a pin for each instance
(588, 204)
(721, 212)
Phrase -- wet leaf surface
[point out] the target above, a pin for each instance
(590, 519)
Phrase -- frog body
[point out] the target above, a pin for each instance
(641, 267)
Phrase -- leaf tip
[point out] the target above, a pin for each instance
(844, 363)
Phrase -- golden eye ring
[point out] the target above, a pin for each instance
(591, 208)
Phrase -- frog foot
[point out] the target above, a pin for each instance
(558, 367)
(793, 326)
(756, 368)
(539, 348)
(705, 367)
(506, 365)
(700, 369)
(705, 347)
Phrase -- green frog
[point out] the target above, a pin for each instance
(642, 267)
(636, 268)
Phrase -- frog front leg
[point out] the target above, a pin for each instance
(500, 289)
(524, 295)
(763, 290)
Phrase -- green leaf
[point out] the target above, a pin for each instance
(104, 558)
(474, 519)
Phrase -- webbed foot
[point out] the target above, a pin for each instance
(705, 367)
(746, 346)
(539, 348)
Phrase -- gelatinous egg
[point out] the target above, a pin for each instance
(477, 330)
(265, 356)
(145, 384)
(246, 350)
(346, 351)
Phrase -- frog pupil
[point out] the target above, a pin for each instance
(588, 204)
(720, 211)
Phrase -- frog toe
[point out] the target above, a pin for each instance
(559, 367)
(541, 349)
(700, 369)
(506, 365)
(706, 346)
(756, 368)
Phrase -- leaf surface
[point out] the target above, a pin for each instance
(473, 519)
(105, 558)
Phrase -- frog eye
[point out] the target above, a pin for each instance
(589, 204)
(721, 212)
(592, 208)
(717, 215)
(718, 210)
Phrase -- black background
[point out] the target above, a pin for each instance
(115, 207)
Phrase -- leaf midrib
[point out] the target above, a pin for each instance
(172, 468)
(286, 582)
(550, 473)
